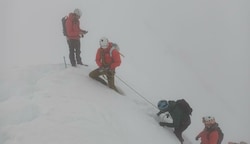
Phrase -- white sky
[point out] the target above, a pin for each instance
(194, 50)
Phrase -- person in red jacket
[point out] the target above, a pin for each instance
(74, 33)
(209, 135)
(107, 59)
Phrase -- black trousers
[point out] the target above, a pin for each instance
(74, 51)
(183, 126)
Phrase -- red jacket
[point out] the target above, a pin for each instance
(209, 137)
(113, 61)
(73, 27)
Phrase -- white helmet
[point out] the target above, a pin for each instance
(209, 119)
(104, 42)
(78, 12)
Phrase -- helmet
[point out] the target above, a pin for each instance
(104, 42)
(78, 12)
(208, 119)
(162, 104)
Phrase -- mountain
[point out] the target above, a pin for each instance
(197, 50)
(52, 104)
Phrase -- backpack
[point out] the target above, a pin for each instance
(184, 106)
(115, 46)
(64, 19)
(221, 134)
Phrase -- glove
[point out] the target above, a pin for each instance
(158, 114)
(85, 32)
(82, 33)
(162, 124)
(197, 138)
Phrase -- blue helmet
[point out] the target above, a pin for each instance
(162, 104)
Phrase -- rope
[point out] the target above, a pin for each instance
(140, 95)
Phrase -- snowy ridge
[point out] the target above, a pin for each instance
(61, 106)
(197, 50)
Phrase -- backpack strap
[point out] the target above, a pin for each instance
(111, 50)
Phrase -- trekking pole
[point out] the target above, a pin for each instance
(136, 92)
(64, 62)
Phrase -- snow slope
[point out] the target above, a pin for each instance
(52, 105)
(197, 50)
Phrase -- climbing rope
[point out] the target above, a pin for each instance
(134, 90)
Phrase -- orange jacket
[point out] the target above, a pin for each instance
(209, 137)
(73, 27)
(113, 61)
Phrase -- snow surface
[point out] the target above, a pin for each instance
(197, 50)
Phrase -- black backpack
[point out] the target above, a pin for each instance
(221, 134)
(184, 106)
(64, 25)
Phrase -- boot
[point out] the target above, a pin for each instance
(178, 135)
